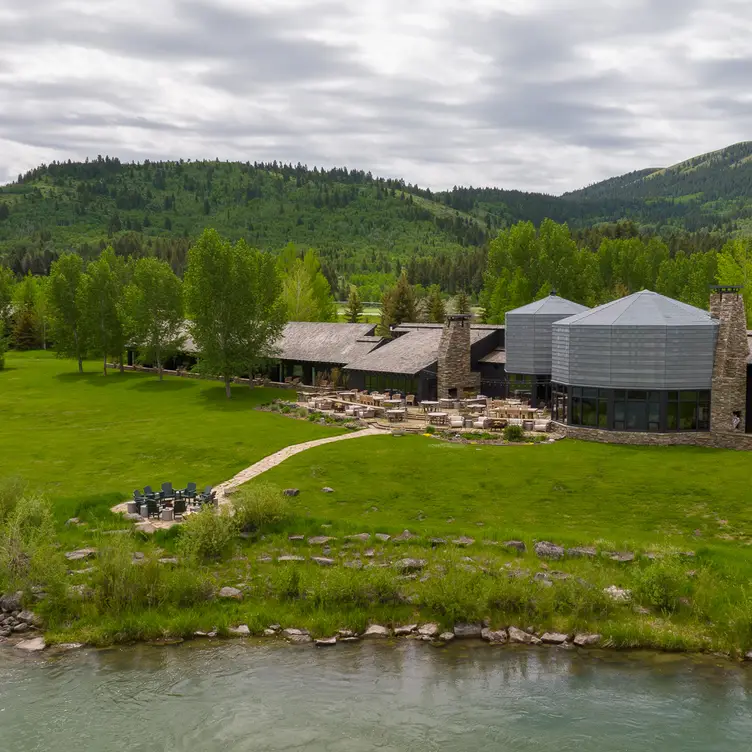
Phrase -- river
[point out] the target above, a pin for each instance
(407, 697)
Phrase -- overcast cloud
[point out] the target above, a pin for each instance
(542, 95)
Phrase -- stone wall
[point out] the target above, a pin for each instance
(729, 395)
(716, 439)
(455, 370)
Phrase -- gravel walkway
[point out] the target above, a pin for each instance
(277, 458)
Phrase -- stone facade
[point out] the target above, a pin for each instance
(456, 378)
(728, 405)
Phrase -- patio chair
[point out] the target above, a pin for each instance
(542, 425)
(456, 421)
(190, 491)
(410, 400)
(138, 497)
(148, 493)
(152, 506)
(167, 491)
(179, 507)
(207, 496)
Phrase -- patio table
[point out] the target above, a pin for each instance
(440, 418)
(392, 402)
(429, 405)
(447, 402)
(396, 415)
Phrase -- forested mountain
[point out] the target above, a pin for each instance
(366, 229)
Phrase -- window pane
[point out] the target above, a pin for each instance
(703, 418)
(688, 396)
(705, 397)
(654, 396)
(589, 412)
(637, 395)
(654, 416)
(636, 416)
(687, 416)
(602, 413)
(589, 392)
(619, 394)
(575, 417)
(619, 412)
(618, 425)
(673, 396)
(672, 416)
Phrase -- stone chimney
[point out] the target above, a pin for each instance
(729, 396)
(456, 379)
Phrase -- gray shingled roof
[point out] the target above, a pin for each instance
(498, 357)
(643, 308)
(313, 342)
(416, 349)
(550, 305)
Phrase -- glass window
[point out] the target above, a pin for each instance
(688, 396)
(590, 411)
(672, 416)
(636, 416)
(654, 416)
(673, 396)
(703, 418)
(602, 412)
(687, 416)
(619, 415)
(633, 395)
(574, 417)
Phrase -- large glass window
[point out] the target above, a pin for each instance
(590, 407)
(379, 382)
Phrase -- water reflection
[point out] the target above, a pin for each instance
(410, 696)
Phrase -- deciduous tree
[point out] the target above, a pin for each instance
(65, 282)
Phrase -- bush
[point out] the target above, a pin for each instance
(11, 490)
(28, 526)
(206, 534)
(3, 345)
(259, 506)
(302, 412)
(513, 433)
(431, 429)
(662, 584)
(274, 407)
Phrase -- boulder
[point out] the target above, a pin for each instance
(468, 630)
(291, 492)
(326, 489)
(34, 645)
(72, 521)
(293, 632)
(623, 557)
(517, 545)
(323, 642)
(463, 540)
(11, 601)
(30, 618)
(21, 627)
(81, 554)
(405, 535)
(275, 627)
(429, 630)
(410, 565)
(620, 595)
(346, 633)
(554, 638)
(436, 542)
(168, 560)
(241, 630)
(383, 537)
(376, 630)
(582, 552)
(748, 656)
(290, 558)
(446, 636)
(133, 517)
(320, 540)
(405, 630)
(146, 528)
(296, 537)
(231, 592)
(523, 638)
(269, 633)
(323, 561)
(300, 639)
(363, 537)
(497, 636)
(547, 550)
(586, 640)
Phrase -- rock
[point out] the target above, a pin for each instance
(554, 638)
(349, 639)
(405, 630)
(540, 576)
(169, 560)
(446, 636)
(241, 630)
(83, 592)
(290, 558)
(231, 592)
(323, 642)
(72, 521)
(582, 552)
(293, 632)
(468, 630)
(641, 610)
(586, 640)
(320, 540)
(269, 633)
(546, 550)
(138, 556)
(131, 518)
(85, 570)
(463, 540)
(405, 535)
(354, 564)
(322, 561)
(363, 537)
(81, 554)
(296, 537)
(370, 553)
(12, 601)
(376, 630)
(346, 633)
(30, 618)
(275, 627)
(498, 637)
(291, 492)
(620, 595)
(326, 489)
(748, 656)
(34, 645)
(383, 537)
(429, 630)
(264, 559)
(436, 542)
(556, 575)
(22, 626)
(64, 647)
(410, 565)
(517, 545)
(146, 528)
(300, 639)
(523, 638)
(623, 558)
(116, 532)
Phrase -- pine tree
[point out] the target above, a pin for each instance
(354, 306)
(403, 303)
(461, 303)
(436, 307)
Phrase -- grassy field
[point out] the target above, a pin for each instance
(86, 440)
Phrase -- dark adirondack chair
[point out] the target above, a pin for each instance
(178, 507)
(167, 491)
(148, 493)
(138, 496)
(207, 496)
(190, 491)
(152, 505)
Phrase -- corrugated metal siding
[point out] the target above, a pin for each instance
(529, 342)
(641, 357)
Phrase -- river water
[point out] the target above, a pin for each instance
(414, 697)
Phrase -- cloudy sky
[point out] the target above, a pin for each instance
(533, 94)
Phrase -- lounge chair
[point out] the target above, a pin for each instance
(410, 400)
(178, 507)
(138, 497)
(167, 491)
(456, 421)
(207, 496)
(190, 491)
(148, 493)
(152, 505)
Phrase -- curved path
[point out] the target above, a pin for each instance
(277, 458)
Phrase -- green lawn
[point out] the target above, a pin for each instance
(571, 491)
(89, 440)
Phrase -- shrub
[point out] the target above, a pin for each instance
(28, 526)
(206, 534)
(431, 429)
(11, 490)
(662, 584)
(513, 433)
(303, 412)
(3, 345)
(259, 506)
(285, 582)
(274, 407)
